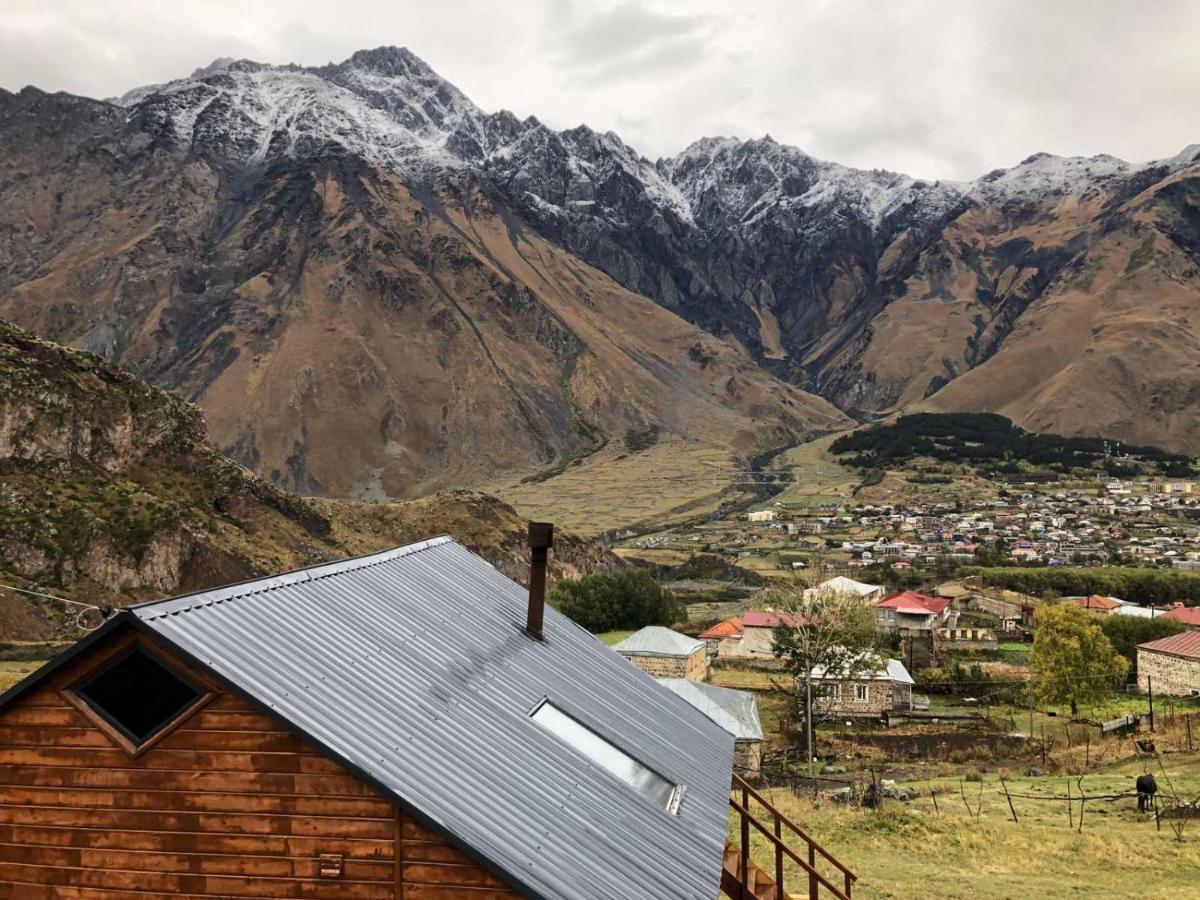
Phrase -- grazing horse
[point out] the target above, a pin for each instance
(1147, 787)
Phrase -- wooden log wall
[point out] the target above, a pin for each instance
(230, 804)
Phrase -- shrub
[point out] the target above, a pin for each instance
(1126, 632)
(616, 601)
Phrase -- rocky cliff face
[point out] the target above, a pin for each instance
(109, 492)
(285, 245)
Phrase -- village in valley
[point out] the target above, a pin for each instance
(947, 710)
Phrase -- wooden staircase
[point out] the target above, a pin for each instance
(742, 879)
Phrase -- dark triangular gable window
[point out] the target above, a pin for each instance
(138, 696)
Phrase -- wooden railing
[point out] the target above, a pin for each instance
(775, 836)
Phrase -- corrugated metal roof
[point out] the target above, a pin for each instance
(735, 711)
(869, 666)
(772, 620)
(1186, 643)
(413, 667)
(654, 640)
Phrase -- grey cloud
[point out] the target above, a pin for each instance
(936, 88)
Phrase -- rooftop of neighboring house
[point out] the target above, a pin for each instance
(735, 711)
(1095, 602)
(654, 640)
(867, 666)
(730, 628)
(843, 585)
(1185, 644)
(771, 620)
(912, 603)
(1188, 615)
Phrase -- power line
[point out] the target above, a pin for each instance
(80, 623)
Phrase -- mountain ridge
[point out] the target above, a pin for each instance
(255, 200)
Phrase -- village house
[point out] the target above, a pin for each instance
(664, 653)
(1103, 606)
(868, 689)
(1170, 665)
(735, 711)
(912, 611)
(728, 632)
(761, 515)
(405, 724)
(758, 635)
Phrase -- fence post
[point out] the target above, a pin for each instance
(779, 891)
(812, 872)
(1150, 691)
(745, 867)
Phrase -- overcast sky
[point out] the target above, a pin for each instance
(936, 89)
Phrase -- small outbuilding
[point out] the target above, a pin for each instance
(664, 653)
(735, 711)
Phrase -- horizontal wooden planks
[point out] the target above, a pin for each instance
(230, 803)
(432, 869)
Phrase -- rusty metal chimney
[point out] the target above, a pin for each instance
(541, 539)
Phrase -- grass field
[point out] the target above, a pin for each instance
(12, 672)
(613, 637)
(669, 482)
(910, 850)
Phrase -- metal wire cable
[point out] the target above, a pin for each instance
(80, 619)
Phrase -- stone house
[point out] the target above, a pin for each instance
(870, 689)
(1171, 665)
(735, 711)
(664, 653)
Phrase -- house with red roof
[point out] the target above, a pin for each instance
(1188, 615)
(728, 633)
(1104, 606)
(911, 611)
(758, 635)
(1170, 665)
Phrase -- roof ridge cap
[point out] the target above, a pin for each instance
(155, 609)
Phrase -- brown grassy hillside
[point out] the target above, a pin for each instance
(110, 493)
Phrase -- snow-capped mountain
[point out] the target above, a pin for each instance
(252, 192)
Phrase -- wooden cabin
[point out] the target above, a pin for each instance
(404, 724)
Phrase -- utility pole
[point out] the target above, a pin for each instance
(808, 722)
(1150, 691)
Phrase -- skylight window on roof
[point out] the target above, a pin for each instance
(641, 779)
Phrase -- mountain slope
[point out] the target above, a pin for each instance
(361, 276)
(109, 492)
(348, 331)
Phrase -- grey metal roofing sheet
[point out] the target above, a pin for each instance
(654, 640)
(735, 711)
(413, 666)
